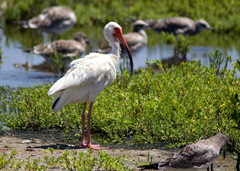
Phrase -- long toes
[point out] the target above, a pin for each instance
(104, 148)
(82, 145)
(97, 147)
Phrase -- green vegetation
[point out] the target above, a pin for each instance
(180, 43)
(180, 105)
(221, 15)
(67, 161)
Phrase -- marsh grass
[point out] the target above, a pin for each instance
(221, 15)
(235, 115)
(69, 160)
(216, 59)
(58, 64)
(180, 104)
(180, 44)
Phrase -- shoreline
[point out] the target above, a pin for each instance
(36, 148)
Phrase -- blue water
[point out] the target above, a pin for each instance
(13, 72)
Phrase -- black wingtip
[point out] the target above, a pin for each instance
(55, 102)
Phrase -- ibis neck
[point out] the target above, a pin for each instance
(116, 50)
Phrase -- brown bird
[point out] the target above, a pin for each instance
(194, 156)
(67, 49)
(179, 25)
(54, 20)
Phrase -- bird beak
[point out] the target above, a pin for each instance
(210, 28)
(118, 34)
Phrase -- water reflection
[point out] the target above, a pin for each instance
(23, 69)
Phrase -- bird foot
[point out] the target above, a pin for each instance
(94, 147)
(97, 147)
(82, 145)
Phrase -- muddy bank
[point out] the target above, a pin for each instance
(34, 145)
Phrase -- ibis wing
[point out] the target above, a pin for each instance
(84, 71)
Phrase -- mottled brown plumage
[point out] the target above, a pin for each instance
(179, 25)
(67, 49)
(194, 156)
(55, 20)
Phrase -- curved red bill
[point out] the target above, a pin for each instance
(118, 34)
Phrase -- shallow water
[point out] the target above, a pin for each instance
(19, 68)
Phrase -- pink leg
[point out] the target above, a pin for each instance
(83, 144)
(89, 144)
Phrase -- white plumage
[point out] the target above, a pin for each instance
(89, 76)
(85, 80)
(136, 40)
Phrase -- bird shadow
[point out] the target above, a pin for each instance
(57, 146)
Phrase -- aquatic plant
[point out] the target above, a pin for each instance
(58, 65)
(180, 44)
(216, 60)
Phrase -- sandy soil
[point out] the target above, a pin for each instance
(33, 145)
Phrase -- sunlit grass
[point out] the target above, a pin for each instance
(69, 160)
(179, 104)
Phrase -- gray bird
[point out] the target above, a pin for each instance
(194, 156)
(54, 20)
(67, 49)
(179, 25)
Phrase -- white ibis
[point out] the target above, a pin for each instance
(54, 20)
(136, 40)
(89, 76)
(179, 25)
(194, 156)
(67, 49)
